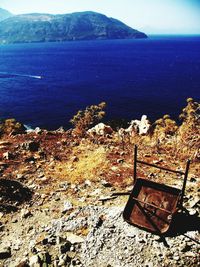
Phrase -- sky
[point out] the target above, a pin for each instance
(149, 16)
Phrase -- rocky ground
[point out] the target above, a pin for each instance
(57, 206)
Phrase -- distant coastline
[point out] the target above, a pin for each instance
(32, 28)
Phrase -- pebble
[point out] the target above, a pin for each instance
(25, 213)
(34, 261)
(67, 206)
(74, 239)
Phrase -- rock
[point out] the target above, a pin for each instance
(88, 183)
(105, 183)
(100, 129)
(74, 239)
(193, 212)
(2, 227)
(17, 244)
(139, 126)
(75, 159)
(67, 206)
(34, 261)
(7, 155)
(5, 253)
(14, 220)
(194, 202)
(25, 213)
(120, 161)
(64, 186)
(37, 130)
(60, 130)
(192, 179)
(190, 254)
(176, 258)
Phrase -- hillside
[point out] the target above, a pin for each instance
(75, 26)
(57, 206)
(4, 14)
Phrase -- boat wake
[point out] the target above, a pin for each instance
(10, 75)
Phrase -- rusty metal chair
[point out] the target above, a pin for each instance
(151, 205)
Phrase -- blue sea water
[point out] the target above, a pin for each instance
(152, 76)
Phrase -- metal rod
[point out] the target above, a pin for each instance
(159, 167)
(154, 206)
(121, 193)
(184, 183)
(135, 165)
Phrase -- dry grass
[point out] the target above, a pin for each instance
(89, 164)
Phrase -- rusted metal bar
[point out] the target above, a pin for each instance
(159, 167)
(152, 205)
(135, 165)
(121, 193)
(184, 183)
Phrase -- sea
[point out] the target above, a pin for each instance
(45, 84)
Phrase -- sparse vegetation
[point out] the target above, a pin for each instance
(11, 127)
(85, 119)
(67, 173)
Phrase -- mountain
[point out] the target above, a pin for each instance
(4, 14)
(76, 26)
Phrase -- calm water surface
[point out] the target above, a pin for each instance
(134, 77)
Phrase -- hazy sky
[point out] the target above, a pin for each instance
(150, 16)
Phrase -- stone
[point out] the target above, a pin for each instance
(17, 244)
(120, 161)
(137, 126)
(105, 183)
(88, 183)
(192, 179)
(74, 239)
(194, 202)
(5, 253)
(67, 206)
(25, 213)
(7, 155)
(100, 129)
(37, 130)
(14, 220)
(193, 212)
(34, 261)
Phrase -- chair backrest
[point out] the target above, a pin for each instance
(161, 168)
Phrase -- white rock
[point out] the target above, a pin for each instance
(67, 206)
(74, 239)
(25, 213)
(34, 261)
(100, 129)
(88, 182)
(137, 126)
